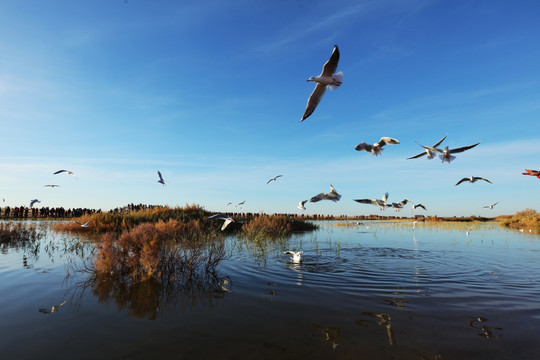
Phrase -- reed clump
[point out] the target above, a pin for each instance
(165, 251)
(274, 226)
(116, 222)
(527, 219)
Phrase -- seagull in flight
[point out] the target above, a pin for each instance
(32, 202)
(472, 179)
(301, 205)
(227, 220)
(161, 181)
(241, 203)
(532, 173)
(419, 206)
(52, 185)
(332, 195)
(430, 154)
(85, 225)
(295, 256)
(273, 179)
(325, 79)
(380, 203)
(376, 148)
(491, 206)
(64, 171)
(447, 153)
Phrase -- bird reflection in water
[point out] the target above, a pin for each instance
(485, 331)
(382, 319)
(331, 334)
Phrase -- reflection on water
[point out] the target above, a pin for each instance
(382, 290)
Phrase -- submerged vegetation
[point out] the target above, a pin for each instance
(527, 219)
(17, 233)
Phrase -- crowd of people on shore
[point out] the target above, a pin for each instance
(25, 212)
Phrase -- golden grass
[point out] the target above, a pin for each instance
(274, 226)
(527, 219)
(17, 233)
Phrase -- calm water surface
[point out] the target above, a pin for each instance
(364, 291)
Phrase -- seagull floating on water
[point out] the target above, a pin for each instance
(376, 148)
(332, 195)
(472, 179)
(226, 218)
(161, 181)
(32, 202)
(273, 179)
(53, 309)
(430, 154)
(295, 256)
(491, 206)
(327, 78)
(301, 205)
(532, 173)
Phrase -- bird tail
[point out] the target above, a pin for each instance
(338, 80)
(448, 160)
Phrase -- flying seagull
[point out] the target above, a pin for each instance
(161, 181)
(327, 78)
(32, 202)
(301, 205)
(376, 148)
(332, 195)
(295, 256)
(532, 173)
(226, 218)
(491, 206)
(380, 203)
(273, 179)
(241, 203)
(447, 153)
(472, 179)
(431, 154)
(419, 206)
(52, 185)
(85, 225)
(62, 171)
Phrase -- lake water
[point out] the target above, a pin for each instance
(374, 290)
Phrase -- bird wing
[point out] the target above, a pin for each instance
(332, 190)
(440, 141)
(364, 147)
(495, 203)
(269, 181)
(330, 66)
(59, 171)
(366, 201)
(431, 148)
(387, 141)
(226, 223)
(417, 156)
(314, 100)
(159, 174)
(461, 149)
(462, 180)
(420, 205)
(218, 216)
(317, 197)
(481, 178)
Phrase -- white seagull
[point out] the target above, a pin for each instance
(376, 148)
(327, 78)
(380, 203)
(32, 202)
(431, 154)
(332, 195)
(273, 179)
(226, 218)
(491, 206)
(62, 171)
(295, 256)
(447, 153)
(301, 205)
(161, 181)
(472, 179)
(85, 225)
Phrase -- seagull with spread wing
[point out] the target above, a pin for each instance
(332, 195)
(447, 152)
(301, 205)
(227, 220)
(380, 203)
(430, 154)
(472, 179)
(296, 256)
(491, 206)
(326, 79)
(273, 179)
(376, 148)
(161, 181)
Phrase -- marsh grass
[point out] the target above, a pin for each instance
(274, 227)
(527, 219)
(117, 222)
(17, 233)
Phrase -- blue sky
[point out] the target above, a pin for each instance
(211, 93)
